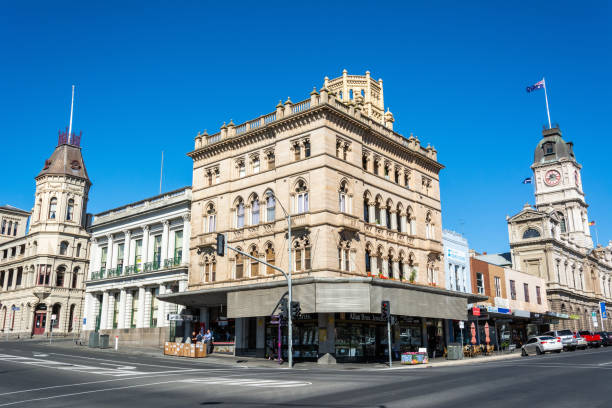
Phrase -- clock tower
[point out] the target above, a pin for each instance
(558, 186)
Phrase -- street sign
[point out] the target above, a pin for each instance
(476, 311)
(602, 308)
(461, 324)
(53, 317)
(180, 317)
(594, 317)
(84, 321)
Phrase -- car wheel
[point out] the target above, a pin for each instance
(524, 353)
(538, 351)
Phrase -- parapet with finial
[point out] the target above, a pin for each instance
(72, 140)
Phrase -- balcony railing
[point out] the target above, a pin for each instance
(136, 269)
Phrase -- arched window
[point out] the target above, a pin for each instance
(428, 228)
(75, 278)
(254, 263)
(350, 94)
(366, 209)
(377, 208)
(562, 224)
(368, 261)
(343, 198)
(531, 233)
(239, 266)
(389, 270)
(240, 214)
(52, 208)
(71, 317)
(270, 258)
(411, 221)
(270, 208)
(3, 226)
(301, 199)
(388, 214)
(10, 227)
(78, 250)
(255, 210)
(59, 277)
(38, 209)
(70, 210)
(398, 218)
(57, 308)
(63, 247)
(15, 229)
(210, 218)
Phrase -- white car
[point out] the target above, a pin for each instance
(581, 343)
(542, 344)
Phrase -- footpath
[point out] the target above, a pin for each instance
(253, 362)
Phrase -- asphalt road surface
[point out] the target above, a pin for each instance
(36, 375)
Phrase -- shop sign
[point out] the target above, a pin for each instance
(522, 313)
(365, 316)
(602, 308)
(574, 317)
(491, 309)
(503, 310)
(476, 311)
(456, 255)
(177, 317)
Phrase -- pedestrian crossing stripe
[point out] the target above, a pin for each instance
(118, 372)
(245, 382)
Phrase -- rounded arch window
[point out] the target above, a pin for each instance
(343, 200)
(70, 210)
(531, 233)
(270, 207)
(240, 213)
(255, 210)
(64, 248)
(53, 208)
(301, 201)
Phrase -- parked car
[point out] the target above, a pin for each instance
(581, 343)
(594, 340)
(541, 344)
(568, 339)
(606, 338)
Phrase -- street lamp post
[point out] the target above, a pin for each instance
(287, 276)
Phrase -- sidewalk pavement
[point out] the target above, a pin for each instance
(253, 362)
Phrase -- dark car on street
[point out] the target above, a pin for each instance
(606, 338)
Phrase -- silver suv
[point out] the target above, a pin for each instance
(567, 338)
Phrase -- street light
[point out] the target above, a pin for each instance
(221, 241)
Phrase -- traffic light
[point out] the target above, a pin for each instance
(220, 244)
(295, 309)
(284, 310)
(385, 309)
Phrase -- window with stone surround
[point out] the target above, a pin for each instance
(526, 290)
(538, 295)
(512, 289)
(52, 208)
(270, 258)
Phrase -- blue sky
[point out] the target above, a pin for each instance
(150, 75)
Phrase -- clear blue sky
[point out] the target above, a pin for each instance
(150, 75)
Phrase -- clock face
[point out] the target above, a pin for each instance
(552, 178)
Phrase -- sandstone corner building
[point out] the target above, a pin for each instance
(366, 227)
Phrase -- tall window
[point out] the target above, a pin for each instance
(20, 277)
(120, 255)
(256, 165)
(115, 310)
(239, 266)
(270, 208)
(3, 226)
(306, 148)
(241, 169)
(59, 277)
(270, 258)
(255, 211)
(134, 315)
(254, 263)
(562, 225)
(52, 208)
(75, 278)
(396, 177)
(56, 311)
(210, 178)
(137, 254)
(368, 261)
(512, 289)
(70, 210)
(428, 228)
(15, 229)
(63, 248)
(240, 214)
(296, 151)
(366, 210)
(364, 162)
(497, 286)
(271, 163)
(526, 289)
(154, 307)
(178, 247)
(217, 176)
(388, 216)
(343, 198)
(213, 270)
(538, 296)
(344, 259)
(157, 245)
(480, 283)
(78, 250)
(301, 197)
(103, 258)
(211, 219)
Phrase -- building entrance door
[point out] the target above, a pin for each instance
(40, 321)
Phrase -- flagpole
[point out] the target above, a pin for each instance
(71, 110)
(546, 96)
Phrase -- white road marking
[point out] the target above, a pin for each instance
(41, 355)
(113, 361)
(245, 382)
(603, 364)
(86, 392)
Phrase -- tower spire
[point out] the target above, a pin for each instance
(71, 112)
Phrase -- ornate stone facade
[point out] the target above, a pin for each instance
(43, 275)
(553, 240)
(364, 200)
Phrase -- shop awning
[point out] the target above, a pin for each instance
(330, 295)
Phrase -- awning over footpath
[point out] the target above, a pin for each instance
(330, 295)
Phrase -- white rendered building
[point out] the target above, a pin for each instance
(139, 251)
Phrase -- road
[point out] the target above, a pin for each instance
(37, 375)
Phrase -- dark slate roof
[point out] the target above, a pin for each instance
(65, 160)
(561, 149)
(14, 209)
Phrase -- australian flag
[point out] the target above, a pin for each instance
(527, 180)
(537, 85)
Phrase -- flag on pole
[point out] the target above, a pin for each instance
(591, 223)
(527, 180)
(537, 85)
